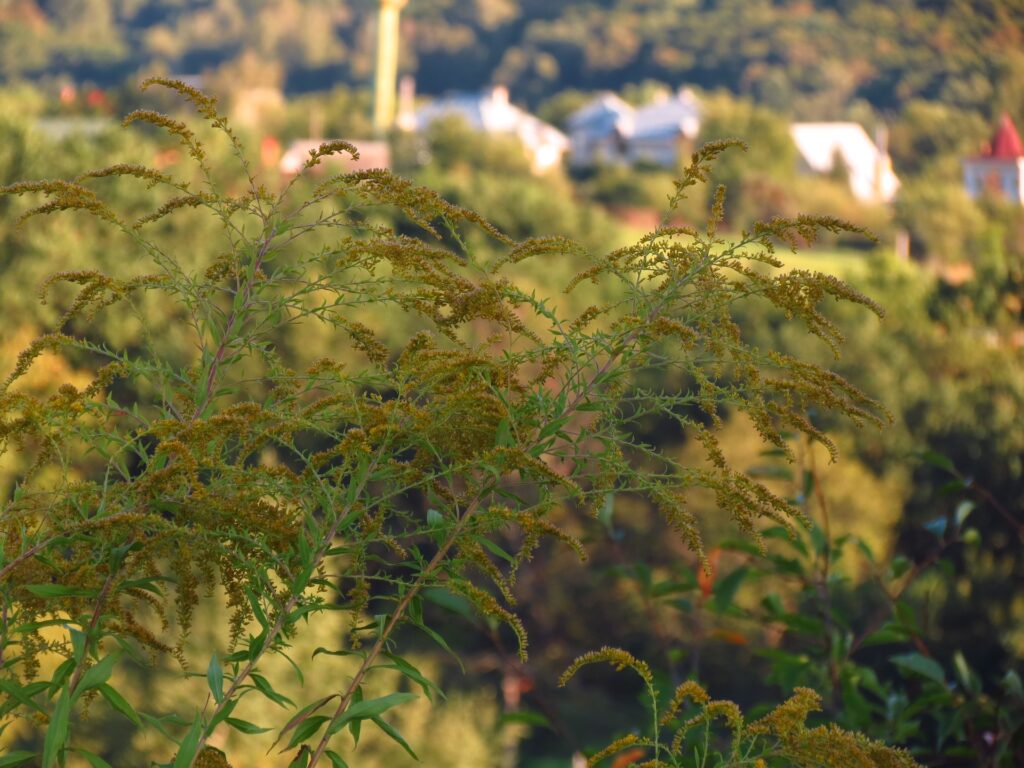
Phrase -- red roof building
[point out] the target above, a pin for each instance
(1006, 142)
(999, 169)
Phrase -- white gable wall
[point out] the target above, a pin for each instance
(870, 170)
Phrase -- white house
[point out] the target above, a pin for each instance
(999, 169)
(491, 112)
(598, 131)
(870, 168)
(662, 129)
(608, 130)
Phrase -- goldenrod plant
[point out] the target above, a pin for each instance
(293, 485)
(702, 732)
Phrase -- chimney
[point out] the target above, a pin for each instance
(499, 95)
(406, 120)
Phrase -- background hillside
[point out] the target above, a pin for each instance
(805, 57)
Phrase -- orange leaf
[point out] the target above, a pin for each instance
(629, 757)
(706, 578)
(735, 638)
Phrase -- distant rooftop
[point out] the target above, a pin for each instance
(1006, 143)
(491, 112)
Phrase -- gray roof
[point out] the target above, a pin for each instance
(600, 116)
(679, 113)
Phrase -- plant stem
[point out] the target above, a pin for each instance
(393, 621)
(286, 609)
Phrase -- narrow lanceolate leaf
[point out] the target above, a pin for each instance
(188, 746)
(365, 710)
(222, 715)
(215, 678)
(96, 675)
(12, 759)
(335, 758)
(413, 674)
(301, 716)
(93, 759)
(58, 590)
(301, 760)
(245, 726)
(921, 665)
(118, 702)
(305, 730)
(21, 694)
(264, 687)
(57, 731)
(391, 731)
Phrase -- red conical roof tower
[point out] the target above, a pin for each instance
(1006, 143)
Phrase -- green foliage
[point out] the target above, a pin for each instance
(691, 716)
(299, 486)
(812, 58)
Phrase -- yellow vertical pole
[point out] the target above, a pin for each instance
(387, 65)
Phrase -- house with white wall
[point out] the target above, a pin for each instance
(492, 112)
(598, 131)
(999, 168)
(663, 130)
(869, 167)
(607, 130)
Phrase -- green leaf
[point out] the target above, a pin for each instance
(966, 675)
(963, 511)
(21, 694)
(189, 745)
(355, 726)
(225, 712)
(740, 545)
(391, 731)
(301, 716)
(329, 652)
(96, 675)
(335, 758)
(938, 460)
(364, 710)
(899, 566)
(57, 730)
(215, 678)
(12, 759)
(118, 702)
(450, 601)
(264, 687)
(440, 641)
(495, 549)
(301, 760)
(245, 726)
(93, 759)
(58, 590)
(77, 643)
(503, 436)
(61, 674)
(526, 717)
(257, 609)
(725, 588)
(1013, 686)
(434, 518)
(887, 633)
(607, 510)
(413, 674)
(306, 729)
(920, 665)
